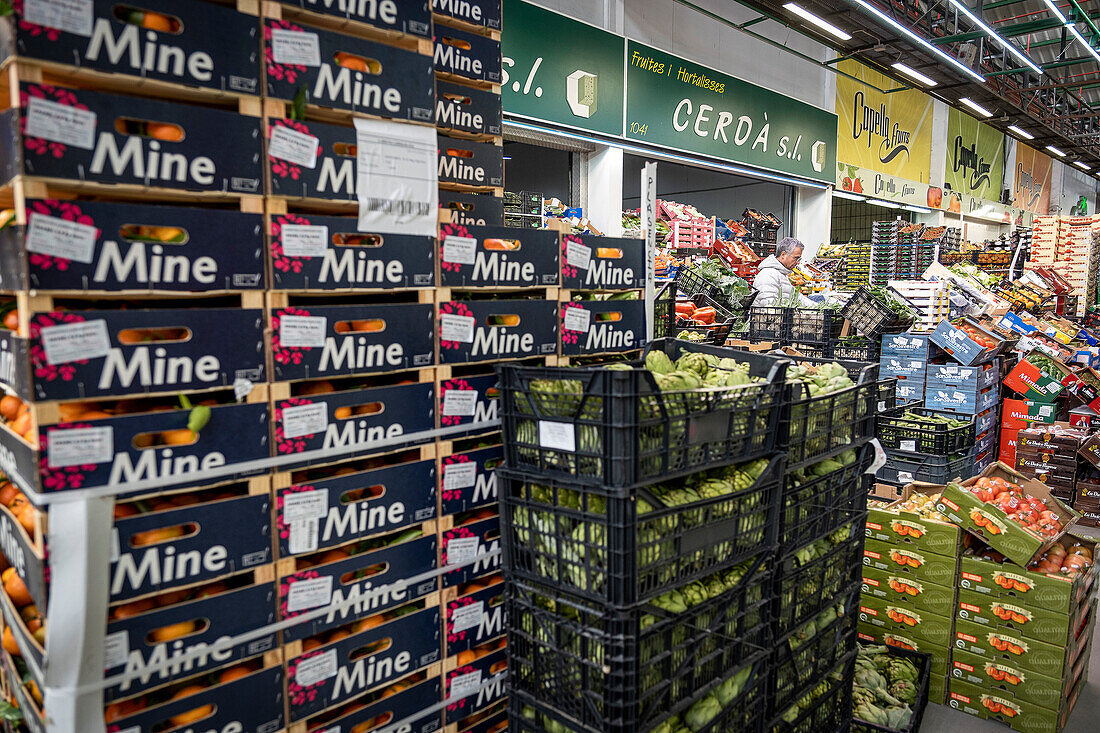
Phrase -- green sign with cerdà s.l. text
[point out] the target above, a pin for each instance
(675, 103)
(561, 70)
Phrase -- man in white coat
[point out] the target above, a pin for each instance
(772, 281)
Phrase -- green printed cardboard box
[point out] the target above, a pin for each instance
(1031, 622)
(904, 619)
(926, 567)
(1016, 651)
(904, 590)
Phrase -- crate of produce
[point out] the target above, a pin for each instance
(664, 312)
(903, 675)
(875, 312)
(697, 233)
(714, 279)
(855, 348)
(808, 580)
(936, 469)
(828, 405)
(606, 669)
(823, 497)
(618, 427)
(975, 505)
(801, 658)
(827, 706)
(813, 325)
(629, 548)
(918, 430)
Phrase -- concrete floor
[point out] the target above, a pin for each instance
(1085, 717)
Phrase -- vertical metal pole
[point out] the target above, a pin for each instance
(80, 552)
(649, 231)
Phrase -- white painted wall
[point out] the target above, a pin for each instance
(1075, 184)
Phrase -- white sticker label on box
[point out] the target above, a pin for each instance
(242, 388)
(302, 331)
(905, 476)
(460, 402)
(467, 617)
(71, 16)
(1046, 410)
(302, 420)
(464, 685)
(456, 328)
(295, 47)
(305, 505)
(909, 445)
(304, 240)
(578, 255)
(462, 550)
(116, 648)
(958, 395)
(76, 341)
(304, 535)
(60, 123)
(293, 146)
(55, 237)
(315, 669)
(310, 593)
(577, 319)
(80, 446)
(462, 250)
(459, 475)
(397, 181)
(557, 435)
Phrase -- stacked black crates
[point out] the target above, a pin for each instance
(827, 434)
(638, 530)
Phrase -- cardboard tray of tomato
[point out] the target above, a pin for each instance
(1031, 622)
(1031, 588)
(996, 521)
(909, 529)
(904, 619)
(1029, 655)
(1008, 680)
(906, 591)
(994, 704)
(967, 341)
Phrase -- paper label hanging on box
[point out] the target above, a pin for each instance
(396, 178)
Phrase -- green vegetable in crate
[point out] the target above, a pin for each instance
(702, 712)
(884, 688)
(904, 690)
(658, 362)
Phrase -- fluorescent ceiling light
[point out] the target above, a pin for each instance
(1022, 133)
(918, 40)
(1012, 50)
(976, 107)
(821, 23)
(1088, 46)
(918, 209)
(914, 74)
(1054, 9)
(846, 195)
(887, 204)
(1056, 151)
(1081, 165)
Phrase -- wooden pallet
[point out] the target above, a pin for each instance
(278, 109)
(463, 25)
(497, 191)
(280, 11)
(451, 594)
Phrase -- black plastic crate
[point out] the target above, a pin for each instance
(901, 469)
(664, 312)
(814, 426)
(872, 317)
(768, 323)
(744, 713)
(804, 587)
(810, 326)
(802, 658)
(628, 549)
(828, 708)
(691, 283)
(613, 670)
(616, 429)
(820, 505)
(923, 663)
(856, 349)
(899, 433)
(725, 319)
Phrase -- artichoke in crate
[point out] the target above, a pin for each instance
(904, 690)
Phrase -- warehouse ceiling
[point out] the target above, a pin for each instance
(1045, 83)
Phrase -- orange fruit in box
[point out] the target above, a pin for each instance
(164, 131)
(9, 406)
(8, 492)
(153, 536)
(234, 673)
(118, 710)
(16, 588)
(193, 715)
(133, 608)
(173, 631)
(7, 640)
